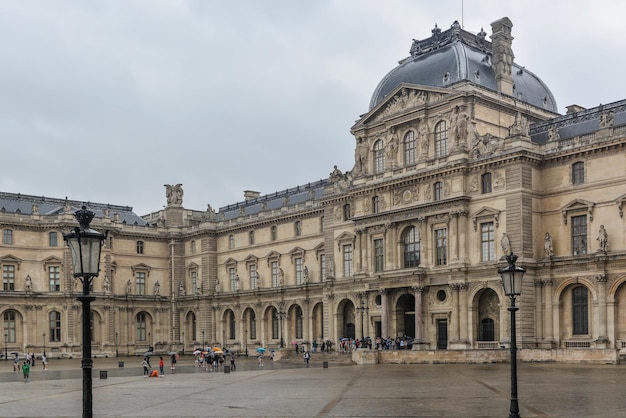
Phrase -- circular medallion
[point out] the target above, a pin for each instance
(407, 195)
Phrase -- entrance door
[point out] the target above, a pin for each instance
(378, 327)
(442, 334)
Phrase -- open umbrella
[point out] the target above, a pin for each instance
(260, 350)
(172, 353)
(216, 349)
(196, 352)
(148, 353)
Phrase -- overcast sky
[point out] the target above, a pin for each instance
(107, 101)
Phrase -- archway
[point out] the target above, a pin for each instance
(405, 316)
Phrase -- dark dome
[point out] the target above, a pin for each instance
(456, 55)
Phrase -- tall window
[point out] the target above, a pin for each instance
(252, 325)
(54, 278)
(485, 183)
(375, 204)
(232, 276)
(441, 247)
(346, 212)
(347, 260)
(274, 267)
(297, 226)
(487, 242)
(299, 331)
(140, 281)
(578, 173)
(379, 157)
(7, 237)
(9, 326)
(253, 276)
(141, 326)
(579, 234)
(232, 327)
(379, 255)
(53, 239)
(231, 241)
(409, 148)
(580, 309)
(8, 277)
(274, 233)
(139, 247)
(321, 224)
(274, 324)
(438, 191)
(323, 267)
(441, 139)
(55, 326)
(251, 237)
(487, 330)
(194, 281)
(193, 247)
(298, 263)
(411, 248)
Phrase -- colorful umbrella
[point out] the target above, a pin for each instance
(260, 350)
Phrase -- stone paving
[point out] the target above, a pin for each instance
(291, 390)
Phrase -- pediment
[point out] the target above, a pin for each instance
(230, 261)
(346, 236)
(297, 252)
(620, 203)
(578, 205)
(10, 259)
(251, 259)
(193, 266)
(141, 266)
(403, 98)
(485, 213)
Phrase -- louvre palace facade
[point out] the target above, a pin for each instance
(461, 159)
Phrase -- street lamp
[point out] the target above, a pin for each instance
(183, 343)
(6, 342)
(44, 343)
(512, 276)
(116, 350)
(85, 246)
(203, 342)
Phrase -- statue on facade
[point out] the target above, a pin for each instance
(505, 243)
(330, 269)
(392, 146)
(360, 157)
(335, 175)
(281, 277)
(603, 239)
(181, 289)
(129, 287)
(174, 194)
(547, 245)
(306, 274)
(460, 122)
(217, 285)
(210, 212)
(553, 133)
(157, 288)
(29, 284)
(35, 209)
(520, 126)
(106, 284)
(606, 119)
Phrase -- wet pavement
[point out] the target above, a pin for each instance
(289, 389)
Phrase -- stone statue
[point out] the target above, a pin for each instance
(35, 209)
(335, 175)
(460, 121)
(181, 289)
(360, 157)
(306, 274)
(520, 126)
(129, 287)
(392, 145)
(606, 119)
(505, 243)
(29, 284)
(330, 268)
(210, 212)
(281, 277)
(157, 288)
(217, 285)
(236, 282)
(107, 284)
(603, 239)
(547, 245)
(553, 133)
(174, 194)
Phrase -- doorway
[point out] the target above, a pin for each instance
(442, 334)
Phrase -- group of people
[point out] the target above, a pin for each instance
(29, 362)
(398, 343)
(212, 361)
(147, 367)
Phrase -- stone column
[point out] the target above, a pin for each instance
(455, 317)
(548, 322)
(539, 310)
(384, 318)
(602, 340)
(463, 314)
(419, 343)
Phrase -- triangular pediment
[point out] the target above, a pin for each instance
(346, 236)
(485, 213)
(405, 97)
(10, 259)
(251, 259)
(578, 205)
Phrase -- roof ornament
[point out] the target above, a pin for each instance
(416, 48)
(480, 39)
(456, 30)
(436, 37)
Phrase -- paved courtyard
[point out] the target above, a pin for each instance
(290, 389)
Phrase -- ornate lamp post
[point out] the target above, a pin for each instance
(44, 343)
(116, 350)
(512, 276)
(203, 341)
(85, 246)
(184, 343)
(6, 343)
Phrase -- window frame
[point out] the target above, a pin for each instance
(53, 239)
(438, 191)
(378, 251)
(486, 184)
(487, 241)
(54, 327)
(8, 277)
(578, 173)
(580, 310)
(411, 247)
(379, 156)
(441, 139)
(347, 253)
(140, 247)
(54, 278)
(410, 148)
(441, 246)
(579, 234)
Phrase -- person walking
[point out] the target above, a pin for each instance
(146, 371)
(44, 362)
(232, 362)
(161, 367)
(307, 357)
(16, 364)
(26, 371)
(173, 361)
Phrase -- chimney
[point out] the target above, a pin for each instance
(502, 54)
(250, 195)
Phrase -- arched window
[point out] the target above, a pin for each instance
(375, 204)
(441, 139)
(299, 332)
(141, 326)
(411, 247)
(379, 157)
(297, 226)
(231, 322)
(231, 241)
(578, 172)
(9, 326)
(346, 212)
(485, 183)
(580, 310)
(437, 191)
(251, 237)
(409, 148)
(274, 233)
(55, 326)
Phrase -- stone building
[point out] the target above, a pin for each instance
(461, 159)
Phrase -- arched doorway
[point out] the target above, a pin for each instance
(405, 316)
(346, 320)
(488, 319)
